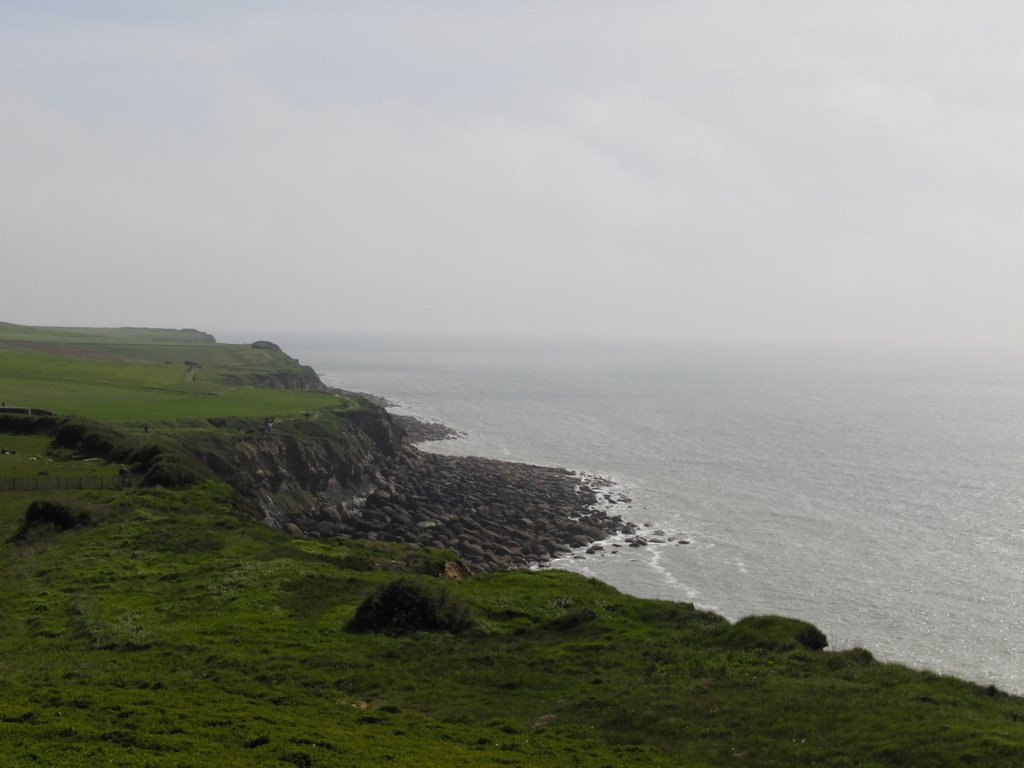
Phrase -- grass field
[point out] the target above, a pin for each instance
(167, 627)
(31, 457)
(174, 631)
(126, 377)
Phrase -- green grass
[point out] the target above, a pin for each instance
(126, 335)
(114, 378)
(115, 403)
(34, 458)
(175, 630)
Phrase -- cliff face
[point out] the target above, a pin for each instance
(303, 378)
(309, 469)
(357, 475)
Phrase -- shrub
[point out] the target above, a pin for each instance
(169, 471)
(141, 458)
(93, 439)
(17, 424)
(775, 633)
(410, 605)
(809, 636)
(58, 516)
(165, 465)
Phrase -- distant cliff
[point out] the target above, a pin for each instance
(300, 379)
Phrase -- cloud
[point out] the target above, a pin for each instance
(714, 170)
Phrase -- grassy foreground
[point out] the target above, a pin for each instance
(165, 627)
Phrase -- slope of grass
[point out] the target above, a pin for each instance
(114, 403)
(108, 379)
(127, 335)
(175, 631)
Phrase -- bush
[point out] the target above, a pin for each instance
(809, 636)
(60, 517)
(169, 471)
(89, 438)
(775, 633)
(164, 465)
(410, 605)
(17, 424)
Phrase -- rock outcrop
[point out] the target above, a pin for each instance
(302, 379)
(294, 466)
(493, 514)
(358, 475)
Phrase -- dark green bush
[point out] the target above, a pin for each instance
(775, 633)
(410, 605)
(167, 465)
(93, 439)
(58, 516)
(17, 424)
(809, 636)
(169, 471)
(141, 458)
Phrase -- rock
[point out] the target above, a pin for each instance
(456, 569)
(330, 513)
(590, 532)
(378, 498)
(473, 551)
(374, 485)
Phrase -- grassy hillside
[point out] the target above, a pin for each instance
(56, 334)
(126, 375)
(153, 627)
(174, 631)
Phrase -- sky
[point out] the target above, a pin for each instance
(703, 169)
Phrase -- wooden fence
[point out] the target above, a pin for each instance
(47, 483)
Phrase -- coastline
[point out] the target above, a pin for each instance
(788, 472)
(548, 659)
(493, 514)
(598, 499)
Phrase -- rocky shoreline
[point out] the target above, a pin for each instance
(494, 514)
(419, 431)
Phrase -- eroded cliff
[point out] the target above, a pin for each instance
(356, 474)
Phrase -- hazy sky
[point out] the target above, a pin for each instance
(694, 169)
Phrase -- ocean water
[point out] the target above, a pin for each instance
(877, 495)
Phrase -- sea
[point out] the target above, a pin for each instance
(876, 493)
